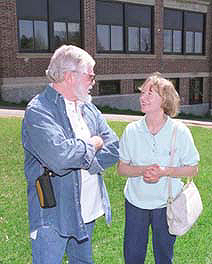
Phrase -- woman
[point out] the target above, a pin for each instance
(144, 159)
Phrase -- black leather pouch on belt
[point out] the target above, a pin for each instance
(45, 190)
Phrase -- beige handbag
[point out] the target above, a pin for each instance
(184, 210)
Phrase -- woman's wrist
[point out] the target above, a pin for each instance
(169, 171)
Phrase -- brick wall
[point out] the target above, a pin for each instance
(210, 52)
(15, 64)
(11, 64)
(7, 38)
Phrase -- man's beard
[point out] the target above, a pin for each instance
(82, 95)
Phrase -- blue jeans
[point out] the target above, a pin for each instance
(136, 235)
(49, 247)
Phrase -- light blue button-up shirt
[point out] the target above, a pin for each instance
(139, 147)
(49, 141)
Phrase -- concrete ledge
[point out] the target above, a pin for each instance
(21, 89)
(131, 102)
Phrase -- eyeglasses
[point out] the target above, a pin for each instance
(92, 77)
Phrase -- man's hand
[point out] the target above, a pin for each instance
(97, 142)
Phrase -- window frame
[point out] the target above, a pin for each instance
(125, 26)
(183, 34)
(33, 50)
(140, 27)
(67, 41)
(115, 82)
(192, 99)
(50, 29)
(136, 84)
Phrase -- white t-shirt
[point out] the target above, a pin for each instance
(91, 202)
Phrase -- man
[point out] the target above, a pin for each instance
(64, 132)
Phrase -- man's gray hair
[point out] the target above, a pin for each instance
(68, 58)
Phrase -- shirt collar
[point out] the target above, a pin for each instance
(72, 107)
(52, 94)
(143, 125)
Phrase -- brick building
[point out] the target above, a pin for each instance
(129, 40)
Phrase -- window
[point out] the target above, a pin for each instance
(32, 25)
(176, 82)
(138, 26)
(65, 22)
(109, 87)
(194, 29)
(109, 17)
(195, 90)
(183, 32)
(66, 33)
(173, 22)
(33, 35)
(138, 84)
(123, 27)
(44, 25)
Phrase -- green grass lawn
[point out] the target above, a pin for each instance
(193, 248)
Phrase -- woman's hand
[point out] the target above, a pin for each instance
(153, 173)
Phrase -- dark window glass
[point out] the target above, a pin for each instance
(176, 82)
(196, 91)
(116, 38)
(193, 21)
(189, 42)
(145, 39)
(138, 15)
(74, 33)
(198, 37)
(173, 19)
(109, 13)
(33, 35)
(26, 34)
(31, 9)
(177, 41)
(66, 33)
(41, 35)
(167, 41)
(109, 87)
(183, 27)
(103, 37)
(60, 36)
(133, 38)
(139, 39)
(64, 10)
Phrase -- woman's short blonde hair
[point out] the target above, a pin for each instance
(166, 89)
(68, 58)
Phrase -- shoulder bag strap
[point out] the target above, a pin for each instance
(172, 152)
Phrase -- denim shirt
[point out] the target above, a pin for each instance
(49, 141)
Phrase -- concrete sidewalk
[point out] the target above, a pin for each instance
(130, 118)
(13, 112)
